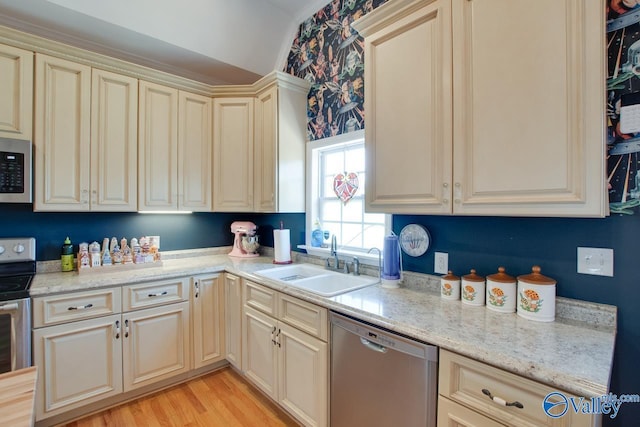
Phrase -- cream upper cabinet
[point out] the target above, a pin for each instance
(157, 147)
(62, 134)
(194, 152)
(114, 142)
(280, 141)
(233, 154)
(16, 87)
(523, 132)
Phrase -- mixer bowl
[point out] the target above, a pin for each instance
(250, 244)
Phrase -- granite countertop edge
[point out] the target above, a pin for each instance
(416, 310)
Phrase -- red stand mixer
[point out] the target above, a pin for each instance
(245, 244)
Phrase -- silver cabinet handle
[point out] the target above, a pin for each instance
(80, 307)
(373, 346)
(501, 401)
(158, 294)
(126, 328)
(117, 329)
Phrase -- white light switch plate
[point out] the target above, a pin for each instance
(441, 263)
(596, 261)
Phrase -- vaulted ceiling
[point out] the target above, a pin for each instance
(211, 41)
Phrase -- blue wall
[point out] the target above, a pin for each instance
(176, 231)
(485, 243)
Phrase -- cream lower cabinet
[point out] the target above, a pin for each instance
(464, 386)
(522, 134)
(208, 319)
(16, 87)
(287, 364)
(233, 319)
(97, 344)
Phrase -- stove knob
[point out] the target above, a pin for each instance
(1, 249)
(19, 248)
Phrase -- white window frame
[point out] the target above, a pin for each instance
(312, 197)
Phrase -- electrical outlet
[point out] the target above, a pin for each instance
(441, 264)
(596, 261)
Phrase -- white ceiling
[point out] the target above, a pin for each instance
(212, 41)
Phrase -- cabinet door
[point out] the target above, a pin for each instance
(16, 87)
(114, 142)
(529, 107)
(303, 375)
(194, 152)
(233, 319)
(408, 136)
(451, 414)
(61, 139)
(157, 147)
(259, 351)
(156, 344)
(233, 154)
(208, 320)
(266, 151)
(80, 363)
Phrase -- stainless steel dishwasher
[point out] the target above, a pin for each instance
(379, 378)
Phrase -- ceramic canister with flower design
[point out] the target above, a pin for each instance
(537, 296)
(473, 289)
(501, 292)
(450, 286)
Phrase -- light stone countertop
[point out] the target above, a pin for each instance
(574, 353)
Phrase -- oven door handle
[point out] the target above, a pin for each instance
(9, 307)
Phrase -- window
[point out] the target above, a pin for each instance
(341, 159)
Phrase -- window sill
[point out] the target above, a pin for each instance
(365, 258)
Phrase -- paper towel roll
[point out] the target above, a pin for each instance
(281, 247)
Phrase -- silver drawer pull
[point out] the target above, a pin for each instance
(501, 401)
(80, 307)
(158, 294)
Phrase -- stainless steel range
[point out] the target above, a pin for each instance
(17, 267)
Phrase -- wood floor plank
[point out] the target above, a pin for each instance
(219, 399)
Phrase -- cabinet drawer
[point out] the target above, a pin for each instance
(52, 310)
(260, 297)
(154, 293)
(451, 414)
(463, 380)
(305, 316)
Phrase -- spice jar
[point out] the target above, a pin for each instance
(450, 286)
(537, 296)
(501, 292)
(473, 289)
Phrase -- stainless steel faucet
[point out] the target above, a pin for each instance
(334, 254)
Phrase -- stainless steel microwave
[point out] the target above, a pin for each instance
(15, 171)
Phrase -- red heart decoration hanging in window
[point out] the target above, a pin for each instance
(345, 185)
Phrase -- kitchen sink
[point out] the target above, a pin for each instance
(316, 279)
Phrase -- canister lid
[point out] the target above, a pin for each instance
(501, 276)
(450, 276)
(473, 277)
(536, 278)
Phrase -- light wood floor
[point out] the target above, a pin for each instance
(222, 398)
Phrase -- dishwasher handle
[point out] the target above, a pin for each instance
(373, 346)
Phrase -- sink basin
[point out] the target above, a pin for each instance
(316, 279)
